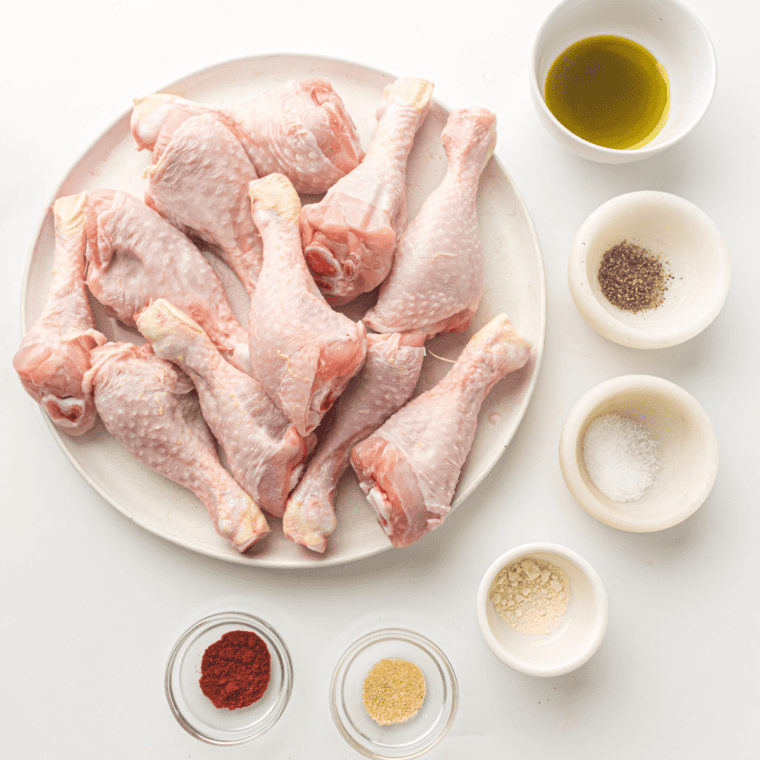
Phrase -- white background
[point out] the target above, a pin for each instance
(91, 603)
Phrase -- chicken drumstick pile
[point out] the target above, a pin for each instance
(230, 176)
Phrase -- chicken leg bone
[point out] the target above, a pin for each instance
(409, 468)
(385, 383)
(150, 407)
(265, 453)
(55, 353)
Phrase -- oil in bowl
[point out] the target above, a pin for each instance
(609, 91)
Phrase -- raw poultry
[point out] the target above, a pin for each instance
(265, 453)
(150, 407)
(409, 468)
(387, 381)
(199, 182)
(303, 352)
(300, 129)
(298, 354)
(436, 280)
(55, 353)
(135, 256)
(349, 236)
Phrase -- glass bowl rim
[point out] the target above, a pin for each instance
(254, 623)
(384, 634)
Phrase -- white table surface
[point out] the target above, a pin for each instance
(91, 603)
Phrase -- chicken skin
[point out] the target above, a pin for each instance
(55, 353)
(437, 276)
(135, 256)
(199, 182)
(409, 468)
(300, 129)
(302, 352)
(150, 407)
(349, 236)
(385, 383)
(265, 453)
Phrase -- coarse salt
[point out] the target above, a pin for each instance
(620, 457)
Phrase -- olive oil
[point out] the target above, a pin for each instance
(609, 91)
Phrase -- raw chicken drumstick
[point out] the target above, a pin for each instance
(436, 280)
(302, 352)
(349, 236)
(409, 468)
(385, 383)
(265, 453)
(300, 129)
(136, 256)
(199, 182)
(55, 353)
(149, 406)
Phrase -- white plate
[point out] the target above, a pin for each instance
(514, 284)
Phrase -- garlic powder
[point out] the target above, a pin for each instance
(531, 595)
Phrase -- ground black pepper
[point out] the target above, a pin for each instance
(632, 278)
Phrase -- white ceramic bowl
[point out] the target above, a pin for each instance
(687, 452)
(669, 29)
(581, 629)
(685, 239)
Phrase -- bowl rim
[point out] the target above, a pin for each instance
(599, 623)
(605, 322)
(375, 636)
(576, 422)
(647, 150)
(256, 624)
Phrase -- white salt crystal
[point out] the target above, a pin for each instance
(620, 457)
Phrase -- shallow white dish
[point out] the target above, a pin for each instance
(514, 284)
(688, 243)
(668, 29)
(687, 452)
(581, 629)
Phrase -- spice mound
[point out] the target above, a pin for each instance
(235, 670)
(620, 457)
(633, 278)
(531, 595)
(393, 691)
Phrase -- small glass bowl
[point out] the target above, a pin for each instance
(422, 731)
(195, 712)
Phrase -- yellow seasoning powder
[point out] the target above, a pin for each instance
(393, 691)
(531, 595)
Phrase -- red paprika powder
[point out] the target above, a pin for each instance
(235, 670)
